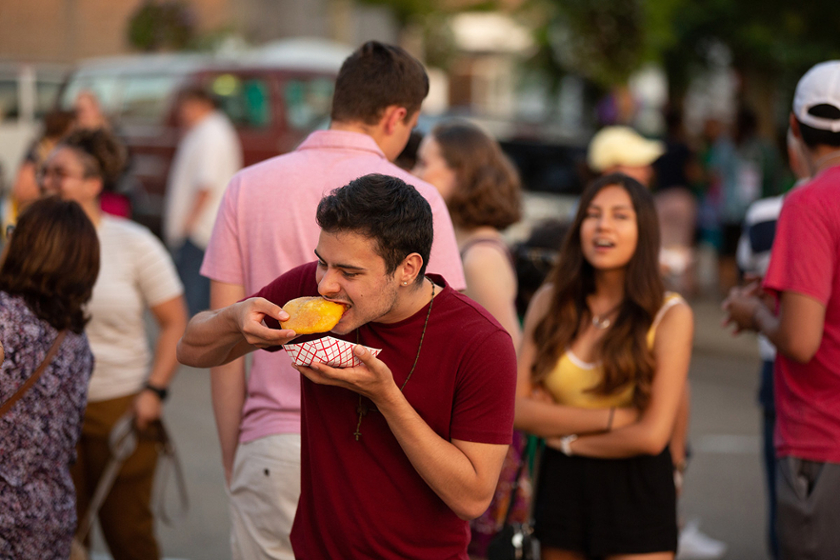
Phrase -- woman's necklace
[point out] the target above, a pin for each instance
(603, 322)
(362, 407)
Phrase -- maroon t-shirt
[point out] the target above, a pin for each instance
(364, 499)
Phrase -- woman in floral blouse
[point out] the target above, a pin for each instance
(47, 272)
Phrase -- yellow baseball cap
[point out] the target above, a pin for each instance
(621, 145)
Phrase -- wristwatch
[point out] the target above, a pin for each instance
(161, 392)
(566, 444)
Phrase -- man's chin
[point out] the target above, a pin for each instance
(342, 329)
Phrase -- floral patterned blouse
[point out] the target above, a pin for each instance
(38, 435)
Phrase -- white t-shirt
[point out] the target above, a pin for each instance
(208, 156)
(135, 273)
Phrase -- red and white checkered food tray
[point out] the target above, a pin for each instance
(327, 350)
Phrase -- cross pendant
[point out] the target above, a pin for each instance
(362, 410)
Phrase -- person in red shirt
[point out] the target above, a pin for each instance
(400, 451)
(802, 319)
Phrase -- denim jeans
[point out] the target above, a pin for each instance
(765, 399)
(188, 258)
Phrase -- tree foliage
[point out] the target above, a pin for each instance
(161, 25)
(605, 40)
(602, 40)
(770, 43)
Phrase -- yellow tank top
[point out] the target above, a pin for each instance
(570, 380)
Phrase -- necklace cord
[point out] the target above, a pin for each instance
(601, 321)
(361, 408)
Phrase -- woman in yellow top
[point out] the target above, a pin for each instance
(602, 367)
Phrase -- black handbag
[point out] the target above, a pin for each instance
(515, 541)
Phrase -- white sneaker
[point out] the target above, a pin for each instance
(695, 545)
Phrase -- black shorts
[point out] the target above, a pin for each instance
(601, 507)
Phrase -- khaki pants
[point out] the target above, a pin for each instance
(264, 492)
(126, 516)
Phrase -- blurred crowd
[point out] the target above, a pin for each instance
(582, 442)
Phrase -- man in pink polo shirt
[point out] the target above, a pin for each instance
(265, 227)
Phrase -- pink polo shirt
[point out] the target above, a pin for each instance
(266, 226)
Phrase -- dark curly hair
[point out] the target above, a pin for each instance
(487, 191)
(385, 209)
(103, 155)
(52, 261)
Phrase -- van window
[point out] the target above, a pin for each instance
(45, 95)
(247, 102)
(9, 110)
(144, 99)
(307, 102)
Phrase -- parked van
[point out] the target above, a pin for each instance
(275, 96)
(27, 91)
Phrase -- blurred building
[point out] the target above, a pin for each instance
(70, 30)
(483, 75)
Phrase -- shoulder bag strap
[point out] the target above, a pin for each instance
(170, 462)
(122, 441)
(35, 376)
(526, 452)
(536, 458)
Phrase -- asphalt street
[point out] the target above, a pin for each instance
(723, 490)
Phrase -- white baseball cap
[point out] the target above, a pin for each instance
(819, 86)
(621, 145)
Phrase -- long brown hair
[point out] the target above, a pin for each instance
(488, 190)
(52, 262)
(623, 350)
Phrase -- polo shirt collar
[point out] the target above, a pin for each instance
(341, 140)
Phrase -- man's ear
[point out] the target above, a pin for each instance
(94, 186)
(794, 127)
(394, 115)
(409, 269)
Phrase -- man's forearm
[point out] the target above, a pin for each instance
(464, 485)
(767, 324)
(796, 330)
(211, 339)
(228, 390)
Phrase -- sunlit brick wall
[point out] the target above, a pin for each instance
(69, 30)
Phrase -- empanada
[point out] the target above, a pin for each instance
(309, 315)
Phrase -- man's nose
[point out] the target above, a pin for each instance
(328, 285)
